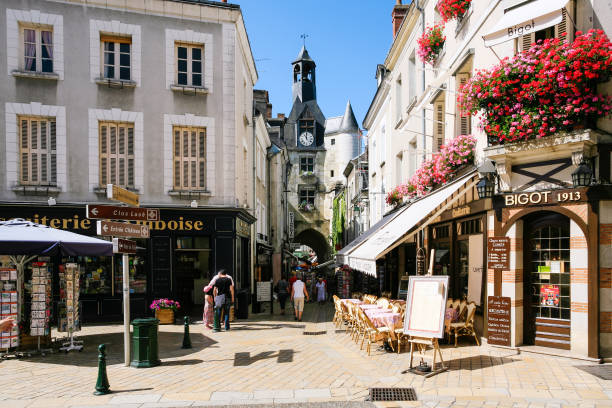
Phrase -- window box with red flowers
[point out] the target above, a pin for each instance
(431, 43)
(439, 170)
(549, 88)
(451, 9)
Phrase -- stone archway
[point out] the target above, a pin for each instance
(315, 240)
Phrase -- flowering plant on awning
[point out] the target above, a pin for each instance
(546, 89)
(450, 9)
(437, 170)
(430, 43)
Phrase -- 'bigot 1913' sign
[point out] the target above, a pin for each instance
(543, 197)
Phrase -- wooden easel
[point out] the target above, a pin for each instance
(422, 343)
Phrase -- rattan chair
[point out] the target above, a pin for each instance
(465, 328)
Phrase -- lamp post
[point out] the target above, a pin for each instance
(583, 175)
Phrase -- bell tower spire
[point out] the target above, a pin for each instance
(304, 82)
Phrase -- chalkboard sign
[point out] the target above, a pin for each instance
(498, 321)
(161, 265)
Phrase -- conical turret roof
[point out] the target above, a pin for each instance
(349, 123)
(303, 56)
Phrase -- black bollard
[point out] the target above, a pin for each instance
(102, 386)
(186, 339)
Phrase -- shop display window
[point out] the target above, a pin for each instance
(137, 273)
(96, 275)
(550, 271)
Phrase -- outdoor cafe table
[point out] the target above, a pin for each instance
(383, 317)
(370, 306)
(353, 301)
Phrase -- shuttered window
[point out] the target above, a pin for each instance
(189, 149)
(463, 118)
(117, 154)
(38, 151)
(560, 30)
(438, 126)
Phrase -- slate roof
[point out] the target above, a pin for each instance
(303, 56)
(342, 124)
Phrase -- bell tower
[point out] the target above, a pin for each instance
(304, 83)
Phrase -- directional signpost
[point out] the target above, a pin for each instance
(121, 230)
(117, 193)
(113, 212)
(124, 246)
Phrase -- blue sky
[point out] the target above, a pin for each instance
(345, 38)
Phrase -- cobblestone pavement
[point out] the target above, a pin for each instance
(274, 360)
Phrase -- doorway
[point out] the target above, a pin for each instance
(547, 286)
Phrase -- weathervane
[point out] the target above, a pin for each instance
(303, 37)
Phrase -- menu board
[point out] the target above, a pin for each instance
(264, 291)
(69, 320)
(498, 253)
(426, 305)
(498, 320)
(9, 306)
(41, 299)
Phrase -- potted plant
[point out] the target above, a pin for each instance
(307, 174)
(430, 43)
(306, 206)
(164, 310)
(450, 9)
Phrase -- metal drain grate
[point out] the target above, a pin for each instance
(314, 333)
(392, 394)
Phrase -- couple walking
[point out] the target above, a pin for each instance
(218, 297)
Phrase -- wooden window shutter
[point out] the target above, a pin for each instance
(438, 125)
(189, 158)
(53, 151)
(117, 154)
(464, 120)
(562, 30)
(524, 42)
(25, 152)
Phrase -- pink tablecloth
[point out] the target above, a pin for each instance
(383, 317)
(353, 301)
(369, 306)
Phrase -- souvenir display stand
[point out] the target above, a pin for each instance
(69, 320)
(9, 308)
(40, 306)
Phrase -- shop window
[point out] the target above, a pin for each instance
(441, 232)
(137, 271)
(37, 145)
(117, 154)
(189, 158)
(96, 275)
(473, 226)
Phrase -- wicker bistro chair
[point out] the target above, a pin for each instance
(383, 302)
(465, 328)
(373, 334)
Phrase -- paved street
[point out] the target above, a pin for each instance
(269, 360)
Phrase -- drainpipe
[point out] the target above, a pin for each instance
(422, 11)
(253, 206)
(269, 206)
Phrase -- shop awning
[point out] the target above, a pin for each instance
(343, 254)
(364, 257)
(527, 18)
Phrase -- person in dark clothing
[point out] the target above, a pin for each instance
(282, 289)
(224, 298)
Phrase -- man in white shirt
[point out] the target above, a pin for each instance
(298, 291)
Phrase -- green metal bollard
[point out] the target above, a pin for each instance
(102, 386)
(186, 339)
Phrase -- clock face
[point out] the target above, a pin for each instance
(306, 138)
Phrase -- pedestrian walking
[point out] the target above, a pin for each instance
(224, 298)
(282, 291)
(321, 290)
(298, 291)
(207, 317)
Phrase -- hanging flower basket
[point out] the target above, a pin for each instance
(549, 88)
(306, 207)
(431, 43)
(451, 9)
(439, 170)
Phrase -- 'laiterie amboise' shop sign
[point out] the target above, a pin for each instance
(544, 197)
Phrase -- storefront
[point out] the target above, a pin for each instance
(186, 248)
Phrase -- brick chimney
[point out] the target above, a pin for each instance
(398, 14)
(280, 115)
